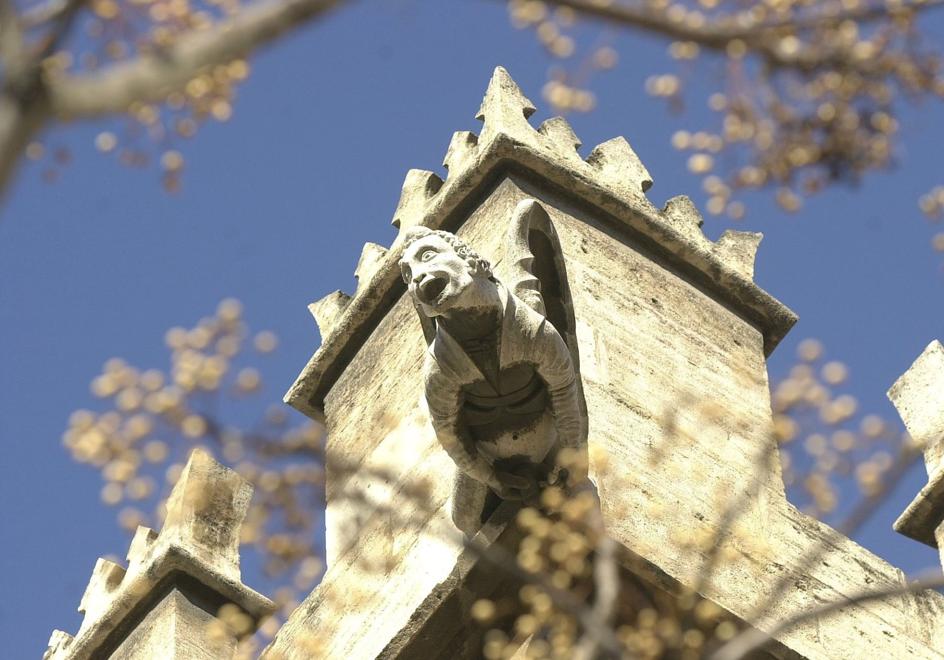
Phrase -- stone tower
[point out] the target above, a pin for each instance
(652, 365)
(669, 336)
(180, 584)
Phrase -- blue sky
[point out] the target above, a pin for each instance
(276, 205)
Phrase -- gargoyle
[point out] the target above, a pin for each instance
(500, 382)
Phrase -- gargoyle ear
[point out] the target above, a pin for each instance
(405, 272)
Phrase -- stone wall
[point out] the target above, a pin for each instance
(672, 336)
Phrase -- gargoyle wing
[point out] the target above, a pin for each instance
(522, 280)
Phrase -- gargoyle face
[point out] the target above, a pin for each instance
(436, 276)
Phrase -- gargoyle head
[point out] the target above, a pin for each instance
(441, 272)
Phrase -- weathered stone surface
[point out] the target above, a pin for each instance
(919, 397)
(175, 581)
(654, 350)
(205, 511)
(176, 628)
(143, 538)
(505, 110)
(681, 212)
(737, 250)
(418, 187)
(562, 136)
(617, 165)
(106, 576)
(372, 257)
(671, 337)
(462, 147)
(58, 642)
(328, 310)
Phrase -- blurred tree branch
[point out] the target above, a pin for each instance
(718, 34)
(808, 94)
(34, 95)
(150, 77)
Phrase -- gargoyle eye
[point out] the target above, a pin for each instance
(427, 254)
(405, 273)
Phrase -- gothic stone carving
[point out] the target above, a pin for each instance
(500, 382)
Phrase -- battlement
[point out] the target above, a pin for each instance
(197, 551)
(612, 181)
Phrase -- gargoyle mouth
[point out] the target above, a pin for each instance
(430, 289)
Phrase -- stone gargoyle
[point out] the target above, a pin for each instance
(500, 382)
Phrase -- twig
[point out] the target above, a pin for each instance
(718, 33)
(607, 585)
(150, 77)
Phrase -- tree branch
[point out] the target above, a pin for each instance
(718, 32)
(150, 77)
(29, 100)
(23, 102)
(41, 14)
(606, 582)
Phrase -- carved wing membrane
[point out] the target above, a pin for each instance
(522, 281)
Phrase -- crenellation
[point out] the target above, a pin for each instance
(141, 543)
(205, 511)
(106, 577)
(59, 642)
(372, 255)
(562, 138)
(681, 213)
(918, 395)
(505, 111)
(462, 148)
(613, 179)
(667, 337)
(616, 165)
(418, 187)
(328, 310)
(737, 249)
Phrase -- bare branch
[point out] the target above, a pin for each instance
(149, 78)
(719, 32)
(606, 582)
(29, 100)
(39, 15)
